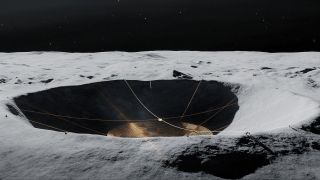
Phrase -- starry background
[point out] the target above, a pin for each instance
(138, 25)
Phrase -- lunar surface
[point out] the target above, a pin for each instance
(70, 115)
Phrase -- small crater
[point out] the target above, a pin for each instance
(230, 165)
(306, 70)
(18, 81)
(89, 77)
(46, 81)
(265, 68)
(181, 75)
(312, 83)
(3, 80)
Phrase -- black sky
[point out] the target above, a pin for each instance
(137, 25)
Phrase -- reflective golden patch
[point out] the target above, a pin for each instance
(156, 129)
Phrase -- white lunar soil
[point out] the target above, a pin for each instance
(277, 91)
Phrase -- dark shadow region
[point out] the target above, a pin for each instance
(110, 108)
(313, 127)
(232, 165)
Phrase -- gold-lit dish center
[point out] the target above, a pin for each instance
(156, 129)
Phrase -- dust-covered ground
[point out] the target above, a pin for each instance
(278, 99)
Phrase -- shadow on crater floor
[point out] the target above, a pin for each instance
(110, 108)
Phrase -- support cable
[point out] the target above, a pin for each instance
(189, 103)
(160, 119)
(116, 120)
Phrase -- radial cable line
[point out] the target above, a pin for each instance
(47, 125)
(215, 114)
(160, 119)
(189, 103)
(116, 120)
(76, 124)
(141, 101)
(218, 130)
